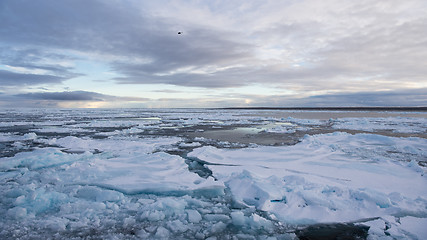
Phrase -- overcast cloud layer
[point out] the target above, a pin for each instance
(312, 53)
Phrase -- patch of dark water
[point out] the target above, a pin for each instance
(21, 129)
(250, 134)
(334, 231)
(254, 134)
(8, 149)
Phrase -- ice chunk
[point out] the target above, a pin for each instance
(218, 227)
(162, 233)
(129, 221)
(238, 218)
(147, 173)
(121, 147)
(193, 216)
(250, 190)
(97, 194)
(17, 212)
(30, 136)
(192, 144)
(56, 224)
(177, 226)
(415, 226)
(41, 158)
(4, 137)
(216, 217)
(153, 215)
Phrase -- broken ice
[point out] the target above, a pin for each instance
(224, 174)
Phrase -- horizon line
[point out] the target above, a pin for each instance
(373, 108)
(347, 108)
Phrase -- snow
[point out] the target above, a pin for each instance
(126, 146)
(192, 144)
(57, 129)
(4, 137)
(194, 216)
(415, 226)
(136, 173)
(323, 178)
(395, 124)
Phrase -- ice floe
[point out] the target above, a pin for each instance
(394, 124)
(326, 178)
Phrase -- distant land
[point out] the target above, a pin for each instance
(403, 109)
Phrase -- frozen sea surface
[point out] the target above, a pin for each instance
(212, 174)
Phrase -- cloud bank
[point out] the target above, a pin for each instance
(64, 99)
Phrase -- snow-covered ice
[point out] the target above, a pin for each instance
(157, 174)
(323, 178)
(395, 124)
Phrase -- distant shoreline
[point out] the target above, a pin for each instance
(394, 109)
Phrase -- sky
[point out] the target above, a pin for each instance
(240, 53)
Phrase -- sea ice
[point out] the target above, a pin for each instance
(131, 174)
(326, 178)
(395, 124)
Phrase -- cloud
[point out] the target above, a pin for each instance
(29, 66)
(167, 91)
(307, 47)
(352, 46)
(403, 98)
(8, 78)
(75, 96)
(69, 99)
(126, 32)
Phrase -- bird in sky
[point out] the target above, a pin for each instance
(179, 32)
